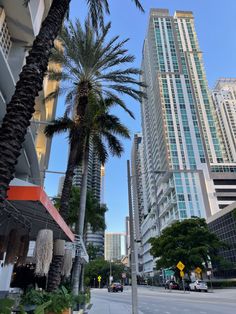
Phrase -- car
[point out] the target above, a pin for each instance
(198, 285)
(115, 287)
(171, 284)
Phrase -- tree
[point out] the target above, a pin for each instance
(188, 241)
(92, 65)
(102, 267)
(94, 214)
(99, 128)
(92, 251)
(30, 83)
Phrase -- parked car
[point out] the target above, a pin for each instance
(115, 287)
(171, 284)
(198, 285)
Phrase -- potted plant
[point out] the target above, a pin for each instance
(57, 302)
(61, 302)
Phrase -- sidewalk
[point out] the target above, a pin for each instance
(103, 307)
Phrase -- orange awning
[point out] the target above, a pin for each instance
(33, 204)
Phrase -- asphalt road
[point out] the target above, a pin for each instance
(160, 301)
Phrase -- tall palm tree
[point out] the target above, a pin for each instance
(30, 83)
(101, 130)
(91, 64)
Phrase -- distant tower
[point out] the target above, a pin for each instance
(114, 246)
(102, 184)
(60, 185)
(224, 96)
(137, 183)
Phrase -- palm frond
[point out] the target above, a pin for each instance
(59, 125)
(138, 5)
(114, 145)
(99, 148)
(97, 8)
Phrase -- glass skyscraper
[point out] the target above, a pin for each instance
(181, 136)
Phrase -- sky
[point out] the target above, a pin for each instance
(215, 24)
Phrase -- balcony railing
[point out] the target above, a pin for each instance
(5, 38)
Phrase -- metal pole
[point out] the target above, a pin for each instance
(110, 281)
(132, 248)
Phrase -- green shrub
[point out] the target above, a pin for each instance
(6, 306)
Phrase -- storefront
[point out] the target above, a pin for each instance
(28, 210)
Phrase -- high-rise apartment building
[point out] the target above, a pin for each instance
(94, 185)
(114, 246)
(181, 137)
(137, 183)
(224, 97)
(223, 175)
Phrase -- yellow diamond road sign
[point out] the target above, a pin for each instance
(99, 278)
(180, 265)
(198, 270)
(181, 273)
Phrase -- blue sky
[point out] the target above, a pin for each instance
(216, 27)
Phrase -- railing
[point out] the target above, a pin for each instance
(5, 38)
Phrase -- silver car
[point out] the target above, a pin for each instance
(198, 285)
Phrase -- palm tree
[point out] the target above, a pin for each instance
(91, 65)
(99, 128)
(30, 83)
(94, 211)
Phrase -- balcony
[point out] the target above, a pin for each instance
(168, 205)
(7, 82)
(24, 22)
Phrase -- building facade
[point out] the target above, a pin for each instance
(223, 224)
(224, 175)
(114, 246)
(224, 98)
(181, 135)
(19, 25)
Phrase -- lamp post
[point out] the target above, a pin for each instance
(132, 248)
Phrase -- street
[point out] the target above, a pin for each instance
(160, 301)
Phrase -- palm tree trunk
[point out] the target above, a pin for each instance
(81, 219)
(67, 186)
(21, 107)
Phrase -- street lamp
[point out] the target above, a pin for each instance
(132, 248)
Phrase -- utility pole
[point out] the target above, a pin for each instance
(132, 248)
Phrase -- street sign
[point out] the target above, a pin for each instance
(208, 273)
(99, 278)
(180, 265)
(198, 270)
(111, 278)
(181, 274)
(123, 275)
